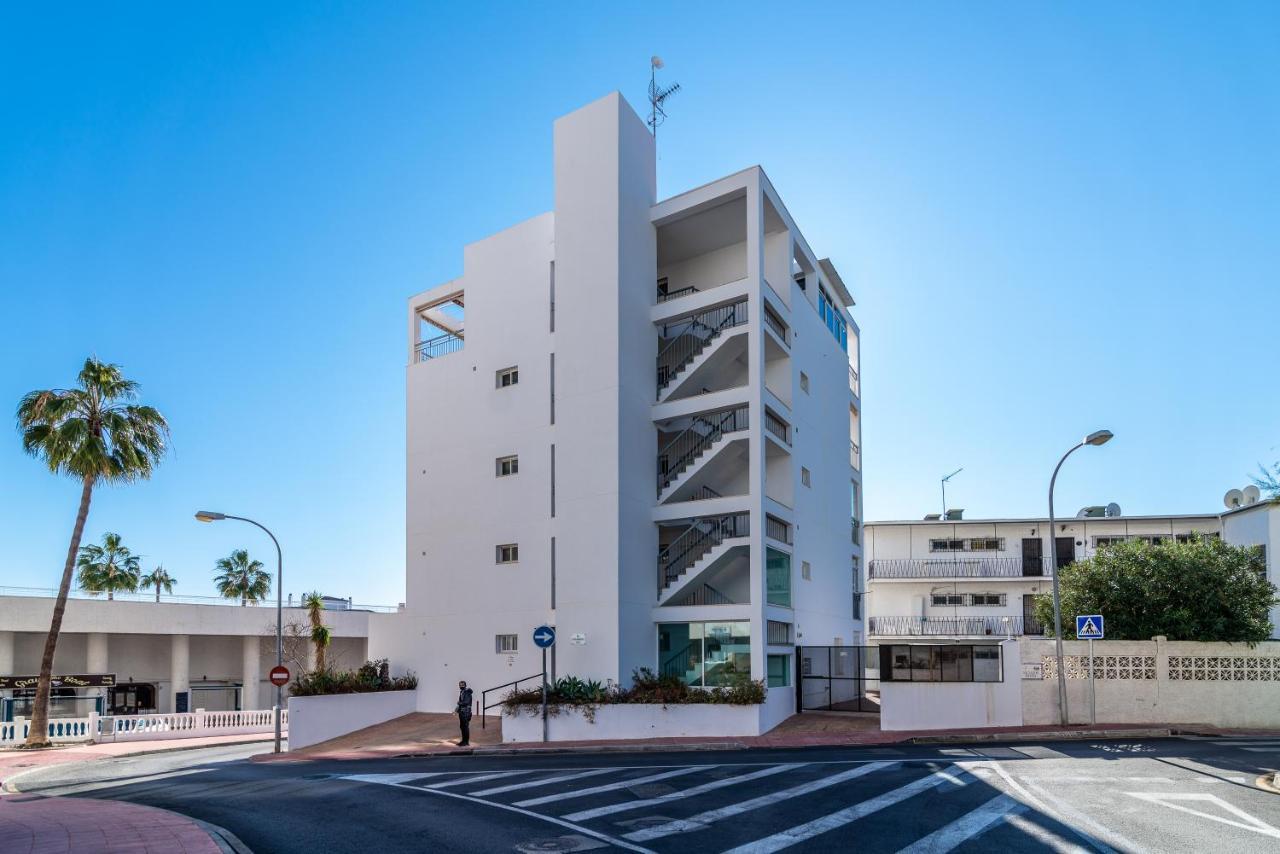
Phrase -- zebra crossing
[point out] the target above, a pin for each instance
(891, 805)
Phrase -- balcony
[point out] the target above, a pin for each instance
(434, 348)
(779, 428)
(777, 529)
(685, 346)
(854, 385)
(775, 323)
(855, 456)
(960, 567)
(856, 528)
(954, 626)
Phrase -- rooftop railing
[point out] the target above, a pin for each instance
(434, 348)
(954, 626)
(960, 567)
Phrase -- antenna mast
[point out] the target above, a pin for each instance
(944, 491)
(658, 95)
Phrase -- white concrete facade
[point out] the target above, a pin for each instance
(1258, 525)
(217, 654)
(684, 340)
(977, 578)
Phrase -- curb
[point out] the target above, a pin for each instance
(1269, 783)
(592, 748)
(1046, 735)
(227, 842)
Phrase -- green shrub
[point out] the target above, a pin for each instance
(647, 687)
(370, 677)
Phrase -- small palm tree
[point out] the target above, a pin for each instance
(160, 579)
(96, 433)
(320, 635)
(241, 578)
(109, 567)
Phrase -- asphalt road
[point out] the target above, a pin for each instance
(1153, 795)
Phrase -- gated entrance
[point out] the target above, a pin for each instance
(838, 678)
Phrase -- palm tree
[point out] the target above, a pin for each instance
(241, 578)
(109, 567)
(159, 578)
(96, 433)
(320, 635)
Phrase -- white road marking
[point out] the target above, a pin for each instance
(611, 787)
(1275, 749)
(701, 820)
(389, 778)
(1175, 800)
(1043, 835)
(685, 793)
(810, 829)
(479, 778)
(966, 827)
(1067, 816)
(545, 781)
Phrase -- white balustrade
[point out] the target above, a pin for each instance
(198, 724)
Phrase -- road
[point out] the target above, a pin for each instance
(1152, 795)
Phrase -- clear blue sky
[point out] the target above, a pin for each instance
(1054, 218)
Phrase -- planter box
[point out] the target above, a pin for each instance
(316, 719)
(634, 721)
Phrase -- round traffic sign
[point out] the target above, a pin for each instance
(544, 636)
(279, 675)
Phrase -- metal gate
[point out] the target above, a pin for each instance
(838, 678)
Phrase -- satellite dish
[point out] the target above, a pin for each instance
(1251, 494)
(1113, 509)
(1233, 499)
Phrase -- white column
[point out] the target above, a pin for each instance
(96, 657)
(179, 669)
(251, 671)
(6, 654)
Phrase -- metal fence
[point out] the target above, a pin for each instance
(838, 678)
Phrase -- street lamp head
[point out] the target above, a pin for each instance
(209, 516)
(1100, 437)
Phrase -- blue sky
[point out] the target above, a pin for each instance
(1054, 217)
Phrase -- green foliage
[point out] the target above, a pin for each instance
(370, 677)
(1201, 590)
(320, 634)
(1269, 482)
(241, 578)
(109, 568)
(94, 432)
(160, 579)
(647, 687)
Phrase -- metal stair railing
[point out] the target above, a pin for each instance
(678, 454)
(688, 337)
(700, 537)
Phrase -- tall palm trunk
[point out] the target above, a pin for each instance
(38, 735)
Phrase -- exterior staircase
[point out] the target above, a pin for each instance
(684, 340)
(697, 440)
(703, 543)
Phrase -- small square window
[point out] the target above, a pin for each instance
(506, 644)
(804, 476)
(806, 571)
(509, 553)
(948, 599)
(804, 382)
(508, 377)
(507, 466)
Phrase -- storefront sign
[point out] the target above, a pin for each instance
(79, 680)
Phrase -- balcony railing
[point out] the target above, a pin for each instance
(684, 450)
(856, 528)
(854, 386)
(979, 567)
(433, 348)
(855, 456)
(777, 529)
(954, 626)
(678, 292)
(682, 340)
(694, 542)
(775, 323)
(777, 427)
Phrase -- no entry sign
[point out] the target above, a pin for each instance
(279, 675)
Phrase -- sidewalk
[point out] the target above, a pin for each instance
(31, 824)
(430, 734)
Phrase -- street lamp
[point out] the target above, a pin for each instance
(1099, 437)
(210, 516)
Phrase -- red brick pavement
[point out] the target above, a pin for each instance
(30, 824)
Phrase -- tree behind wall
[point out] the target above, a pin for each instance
(1201, 590)
(109, 568)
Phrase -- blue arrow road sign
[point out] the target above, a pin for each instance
(1089, 627)
(544, 636)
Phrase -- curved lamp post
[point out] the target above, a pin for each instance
(1100, 437)
(210, 516)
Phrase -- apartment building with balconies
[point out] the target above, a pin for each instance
(636, 420)
(961, 578)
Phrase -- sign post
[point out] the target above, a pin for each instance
(545, 638)
(1090, 627)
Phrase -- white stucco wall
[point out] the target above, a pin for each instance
(1258, 525)
(316, 719)
(955, 705)
(634, 721)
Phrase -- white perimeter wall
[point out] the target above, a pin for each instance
(316, 719)
(635, 721)
(955, 705)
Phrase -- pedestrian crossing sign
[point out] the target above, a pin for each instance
(1089, 627)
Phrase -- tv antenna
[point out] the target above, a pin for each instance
(944, 490)
(658, 95)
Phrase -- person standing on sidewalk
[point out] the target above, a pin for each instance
(464, 713)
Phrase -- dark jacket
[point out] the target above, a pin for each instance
(464, 703)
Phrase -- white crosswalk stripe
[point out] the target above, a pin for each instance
(702, 819)
(543, 781)
(477, 778)
(612, 787)
(810, 829)
(966, 827)
(681, 795)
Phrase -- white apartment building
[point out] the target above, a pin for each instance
(978, 578)
(638, 421)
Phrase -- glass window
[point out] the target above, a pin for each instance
(506, 644)
(777, 578)
(507, 466)
(922, 664)
(509, 553)
(508, 377)
(779, 670)
(705, 654)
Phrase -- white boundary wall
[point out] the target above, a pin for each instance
(955, 705)
(317, 719)
(1157, 681)
(635, 721)
(197, 724)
